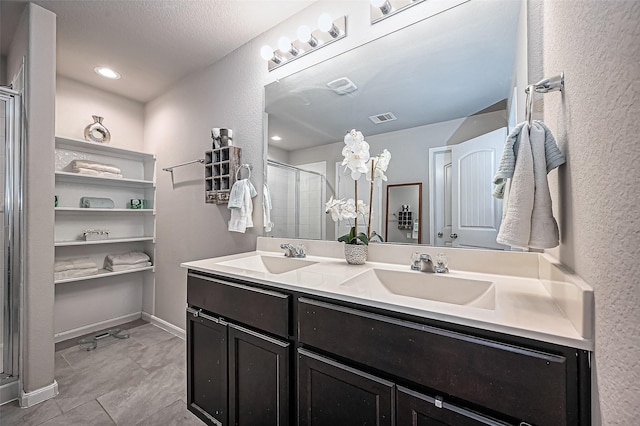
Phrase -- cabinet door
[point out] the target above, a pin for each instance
(258, 379)
(207, 368)
(416, 409)
(330, 393)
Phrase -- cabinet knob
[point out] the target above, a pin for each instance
(453, 236)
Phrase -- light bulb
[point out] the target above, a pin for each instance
(325, 22)
(384, 5)
(107, 72)
(284, 44)
(266, 52)
(304, 33)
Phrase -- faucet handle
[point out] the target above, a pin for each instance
(300, 251)
(442, 265)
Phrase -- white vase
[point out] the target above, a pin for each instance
(355, 254)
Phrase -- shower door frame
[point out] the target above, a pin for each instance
(13, 230)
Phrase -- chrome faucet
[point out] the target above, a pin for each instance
(291, 251)
(422, 262)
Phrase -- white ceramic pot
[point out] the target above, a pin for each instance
(355, 254)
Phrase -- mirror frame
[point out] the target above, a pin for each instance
(419, 213)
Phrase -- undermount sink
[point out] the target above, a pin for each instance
(268, 264)
(433, 287)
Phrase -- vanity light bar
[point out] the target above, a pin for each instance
(381, 9)
(307, 41)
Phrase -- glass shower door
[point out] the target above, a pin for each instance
(11, 208)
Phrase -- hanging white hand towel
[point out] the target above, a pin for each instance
(544, 228)
(241, 218)
(266, 208)
(515, 229)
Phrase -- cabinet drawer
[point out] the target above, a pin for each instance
(526, 384)
(262, 309)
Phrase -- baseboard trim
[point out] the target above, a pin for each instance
(29, 399)
(166, 326)
(9, 391)
(81, 331)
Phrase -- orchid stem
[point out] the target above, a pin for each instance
(370, 200)
(355, 226)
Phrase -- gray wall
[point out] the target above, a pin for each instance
(35, 41)
(596, 194)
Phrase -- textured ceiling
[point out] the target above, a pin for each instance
(152, 43)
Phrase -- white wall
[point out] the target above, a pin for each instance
(597, 193)
(35, 42)
(229, 93)
(76, 103)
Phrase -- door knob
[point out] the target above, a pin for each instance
(440, 234)
(453, 236)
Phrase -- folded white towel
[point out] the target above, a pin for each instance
(236, 197)
(118, 268)
(74, 273)
(544, 228)
(266, 208)
(132, 258)
(241, 218)
(515, 228)
(95, 165)
(74, 264)
(553, 156)
(91, 172)
(528, 220)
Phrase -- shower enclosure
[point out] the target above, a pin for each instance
(297, 198)
(11, 207)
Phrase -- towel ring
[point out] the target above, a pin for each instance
(529, 104)
(243, 166)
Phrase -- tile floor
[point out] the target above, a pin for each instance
(137, 381)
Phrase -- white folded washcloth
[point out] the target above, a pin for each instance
(74, 273)
(74, 264)
(118, 268)
(132, 258)
(94, 165)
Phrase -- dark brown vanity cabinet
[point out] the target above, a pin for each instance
(331, 393)
(263, 357)
(235, 374)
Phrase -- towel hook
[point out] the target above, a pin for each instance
(249, 167)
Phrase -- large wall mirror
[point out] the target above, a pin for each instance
(439, 94)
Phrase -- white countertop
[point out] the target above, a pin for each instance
(523, 305)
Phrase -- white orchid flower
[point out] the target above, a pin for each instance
(363, 209)
(348, 209)
(352, 137)
(334, 207)
(356, 155)
(381, 163)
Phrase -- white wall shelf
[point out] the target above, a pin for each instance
(103, 273)
(62, 176)
(89, 302)
(81, 210)
(107, 241)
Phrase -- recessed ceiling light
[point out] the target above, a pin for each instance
(107, 72)
(276, 138)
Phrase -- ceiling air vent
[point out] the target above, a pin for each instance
(382, 118)
(342, 86)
